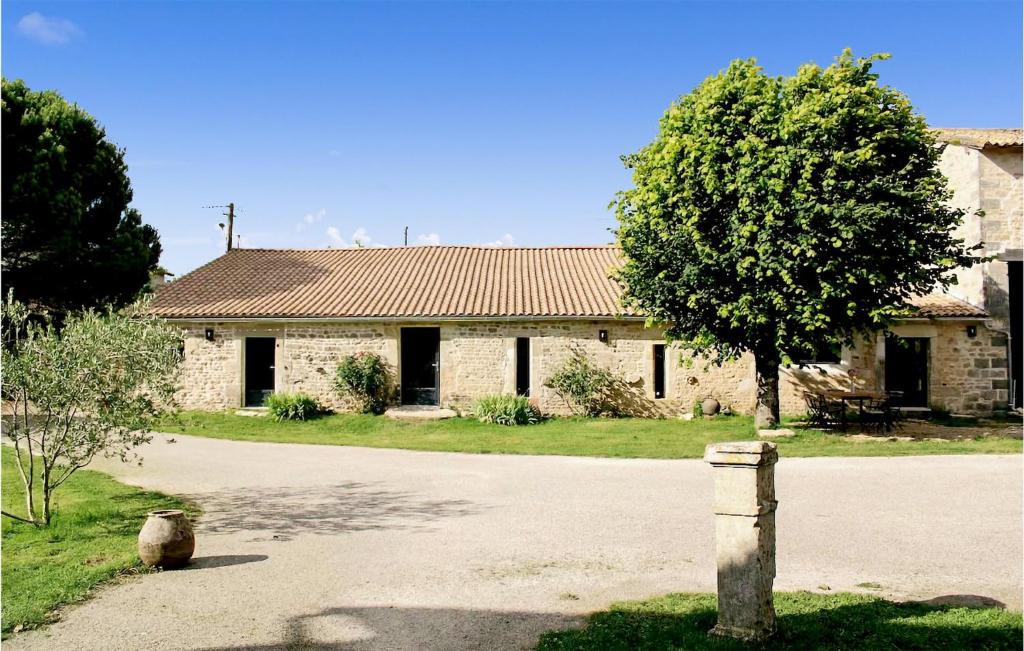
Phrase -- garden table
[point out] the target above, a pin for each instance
(849, 397)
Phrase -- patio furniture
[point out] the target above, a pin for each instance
(880, 414)
(823, 413)
(850, 397)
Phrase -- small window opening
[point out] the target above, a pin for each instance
(659, 371)
(523, 366)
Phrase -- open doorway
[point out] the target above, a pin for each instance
(259, 369)
(421, 366)
(906, 369)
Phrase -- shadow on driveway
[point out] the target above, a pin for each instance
(415, 628)
(335, 509)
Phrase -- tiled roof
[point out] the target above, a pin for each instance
(938, 306)
(422, 282)
(981, 138)
(415, 281)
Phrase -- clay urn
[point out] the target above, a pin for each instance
(166, 540)
(710, 406)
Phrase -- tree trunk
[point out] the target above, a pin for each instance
(47, 492)
(766, 368)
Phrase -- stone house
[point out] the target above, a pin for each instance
(459, 322)
(984, 168)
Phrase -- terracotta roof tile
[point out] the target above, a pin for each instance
(937, 306)
(422, 282)
(415, 281)
(981, 138)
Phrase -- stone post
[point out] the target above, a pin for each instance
(745, 537)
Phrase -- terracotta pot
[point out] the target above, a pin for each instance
(166, 540)
(710, 406)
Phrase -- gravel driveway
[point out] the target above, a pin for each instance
(354, 548)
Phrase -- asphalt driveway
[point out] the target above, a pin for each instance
(355, 548)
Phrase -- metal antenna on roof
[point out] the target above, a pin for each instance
(230, 214)
(406, 236)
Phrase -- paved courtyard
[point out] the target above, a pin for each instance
(353, 548)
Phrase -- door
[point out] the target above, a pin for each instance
(259, 369)
(906, 369)
(1016, 271)
(421, 366)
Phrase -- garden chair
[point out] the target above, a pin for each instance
(823, 413)
(881, 415)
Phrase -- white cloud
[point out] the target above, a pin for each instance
(311, 218)
(334, 153)
(48, 31)
(335, 235)
(428, 239)
(361, 238)
(504, 240)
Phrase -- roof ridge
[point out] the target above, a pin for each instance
(486, 247)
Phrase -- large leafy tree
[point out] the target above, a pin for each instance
(777, 215)
(69, 238)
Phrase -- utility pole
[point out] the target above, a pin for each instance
(231, 222)
(230, 214)
(406, 236)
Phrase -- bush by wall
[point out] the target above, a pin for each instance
(506, 410)
(584, 386)
(293, 406)
(365, 378)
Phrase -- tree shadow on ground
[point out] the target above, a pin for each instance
(382, 627)
(805, 621)
(281, 513)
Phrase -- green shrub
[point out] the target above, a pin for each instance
(506, 410)
(293, 406)
(365, 378)
(586, 388)
(698, 409)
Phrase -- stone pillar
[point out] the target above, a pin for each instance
(745, 537)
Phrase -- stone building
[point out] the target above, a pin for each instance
(984, 169)
(458, 322)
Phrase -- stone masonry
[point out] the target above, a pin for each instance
(478, 358)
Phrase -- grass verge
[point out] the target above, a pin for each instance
(597, 437)
(91, 539)
(805, 621)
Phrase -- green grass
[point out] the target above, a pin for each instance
(805, 621)
(92, 538)
(621, 437)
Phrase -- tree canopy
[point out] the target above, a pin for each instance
(69, 238)
(780, 215)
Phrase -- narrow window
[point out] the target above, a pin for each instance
(659, 370)
(522, 366)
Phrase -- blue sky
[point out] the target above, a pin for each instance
(467, 122)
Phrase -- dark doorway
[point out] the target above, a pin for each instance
(421, 365)
(259, 369)
(906, 369)
(523, 366)
(1016, 271)
(659, 371)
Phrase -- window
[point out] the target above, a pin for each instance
(825, 354)
(659, 371)
(522, 366)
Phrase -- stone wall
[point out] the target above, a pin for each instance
(989, 180)
(479, 358)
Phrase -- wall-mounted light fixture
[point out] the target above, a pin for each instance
(209, 334)
(602, 336)
(972, 331)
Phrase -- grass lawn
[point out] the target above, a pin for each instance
(91, 539)
(805, 621)
(619, 437)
